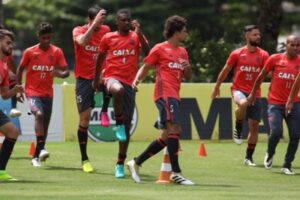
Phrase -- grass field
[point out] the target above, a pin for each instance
(220, 175)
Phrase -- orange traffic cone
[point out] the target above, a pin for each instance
(31, 149)
(202, 151)
(165, 170)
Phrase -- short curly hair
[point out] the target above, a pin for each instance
(173, 24)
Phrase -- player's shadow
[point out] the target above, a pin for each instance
(21, 158)
(63, 168)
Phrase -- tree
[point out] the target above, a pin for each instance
(269, 18)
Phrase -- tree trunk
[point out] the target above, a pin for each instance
(269, 18)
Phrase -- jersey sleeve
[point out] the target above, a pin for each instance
(76, 32)
(61, 60)
(232, 59)
(25, 58)
(104, 44)
(269, 64)
(153, 56)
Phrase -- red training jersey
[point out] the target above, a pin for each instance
(40, 66)
(86, 56)
(122, 56)
(169, 72)
(284, 72)
(4, 74)
(247, 65)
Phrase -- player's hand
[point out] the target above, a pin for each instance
(20, 97)
(184, 63)
(135, 85)
(288, 107)
(100, 17)
(136, 26)
(215, 93)
(251, 99)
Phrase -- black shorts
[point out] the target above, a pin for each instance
(84, 94)
(4, 119)
(129, 97)
(42, 104)
(169, 111)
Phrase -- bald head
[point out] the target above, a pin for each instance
(292, 38)
(292, 46)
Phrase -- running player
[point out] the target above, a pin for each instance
(247, 63)
(172, 64)
(42, 61)
(284, 68)
(9, 130)
(86, 41)
(121, 50)
(14, 112)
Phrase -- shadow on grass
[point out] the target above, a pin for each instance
(49, 167)
(21, 158)
(22, 181)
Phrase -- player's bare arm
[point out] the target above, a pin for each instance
(99, 62)
(294, 91)
(7, 93)
(141, 74)
(61, 72)
(221, 77)
(261, 77)
(144, 44)
(187, 71)
(98, 21)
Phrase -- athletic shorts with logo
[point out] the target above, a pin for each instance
(84, 94)
(253, 111)
(129, 97)
(169, 111)
(42, 104)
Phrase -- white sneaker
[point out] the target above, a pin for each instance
(249, 162)
(35, 162)
(268, 161)
(15, 113)
(287, 171)
(237, 137)
(44, 155)
(178, 178)
(134, 170)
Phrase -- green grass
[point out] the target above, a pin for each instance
(220, 175)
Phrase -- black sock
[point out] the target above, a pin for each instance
(82, 140)
(250, 151)
(106, 100)
(154, 147)
(40, 144)
(6, 150)
(239, 125)
(121, 159)
(173, 148)
(13, 102)
(119, 119)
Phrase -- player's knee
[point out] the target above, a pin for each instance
(39, 116)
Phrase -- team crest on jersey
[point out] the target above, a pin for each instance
(297, 67)
(51, 57)
(258, 60)
(131, 41)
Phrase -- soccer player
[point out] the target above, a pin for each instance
(86, 41)
(14, 112)
(247, 63)
(284, 68)
(9, 130)
(172, 64)
(120, 49)
(43, 61)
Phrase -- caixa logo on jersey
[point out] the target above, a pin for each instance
(99, 133)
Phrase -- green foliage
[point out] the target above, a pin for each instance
(207, 58)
